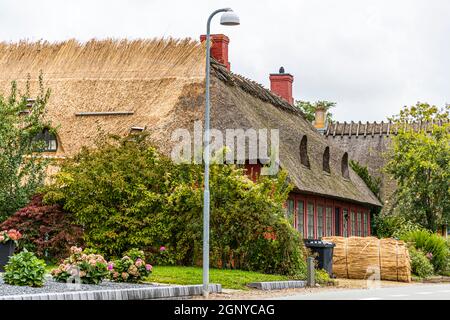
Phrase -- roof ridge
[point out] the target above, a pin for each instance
(252, 87)
(377, 128)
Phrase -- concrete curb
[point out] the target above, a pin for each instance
(120, 294)
(277, 285)
(440, 279)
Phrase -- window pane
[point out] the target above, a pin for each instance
(360, 217)
(310, 220)
(301, 214)
(329, 221)
(353, 223)
(290, 211)
(345, 213)
(319, 221)
(366, 233)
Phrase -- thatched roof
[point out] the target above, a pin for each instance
(242, 103)
(111, 86)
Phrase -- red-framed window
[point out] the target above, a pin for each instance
(290, 212)
(310, 218)
(352, 223)
(320, 219)
(315, 217)
(328, 220)
(360, 224)
(300, 209)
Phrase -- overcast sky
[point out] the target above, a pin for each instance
(371, 57)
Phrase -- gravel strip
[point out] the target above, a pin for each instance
(51, 286)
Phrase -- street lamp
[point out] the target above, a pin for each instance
(228, 18)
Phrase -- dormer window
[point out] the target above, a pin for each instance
(344, 166)
(49, 140)
(304, 152)
(326, 160)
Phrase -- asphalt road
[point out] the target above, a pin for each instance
(412, 292)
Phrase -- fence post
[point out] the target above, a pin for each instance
(310, 272)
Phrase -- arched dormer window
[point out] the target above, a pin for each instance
(49, 139)
(344, 166)
(326, 160)
(304, 152)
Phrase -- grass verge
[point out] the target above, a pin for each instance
(229, 279)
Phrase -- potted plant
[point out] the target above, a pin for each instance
(8, 242)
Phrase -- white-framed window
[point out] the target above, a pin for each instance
(49, 139)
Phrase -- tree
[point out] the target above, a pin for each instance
(21, 171)
(374, 183)
(309, 109)
(420, 162)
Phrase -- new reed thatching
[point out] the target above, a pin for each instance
(367, 257)
(143, 77)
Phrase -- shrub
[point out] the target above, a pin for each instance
(48, 230)
(25, 269)
(127, 195)
(430, 243)
(420, 264)
(393, 226)
(131, 268)
(162, 257)
(322, 277)
(88, 268)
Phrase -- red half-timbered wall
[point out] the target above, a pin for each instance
(310, 215)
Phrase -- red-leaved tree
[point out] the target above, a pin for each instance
(47, 230)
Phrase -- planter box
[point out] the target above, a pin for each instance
(6, 250)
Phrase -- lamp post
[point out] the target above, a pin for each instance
(228, 18)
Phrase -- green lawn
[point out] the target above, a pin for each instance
(230, 279)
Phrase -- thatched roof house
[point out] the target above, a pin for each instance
(113, 86)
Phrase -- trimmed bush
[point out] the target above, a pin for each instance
(131, 268)
(25, 269)
(47, 230)
(420, 264)
(430, 243)
(80, 266)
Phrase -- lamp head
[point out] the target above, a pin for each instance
(229, 18)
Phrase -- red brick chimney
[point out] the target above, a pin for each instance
(281, 84)
(219, 48)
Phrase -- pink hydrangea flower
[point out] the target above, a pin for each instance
(162, 248)
(148, 267)
(139, 262)
(110, 266)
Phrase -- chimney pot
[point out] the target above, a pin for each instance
(219, 48)
(281, 84)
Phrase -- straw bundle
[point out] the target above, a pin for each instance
(359, 258)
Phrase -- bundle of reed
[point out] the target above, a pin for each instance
(362, 256)
(369, 257)
(339, 256)
(394, 260)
